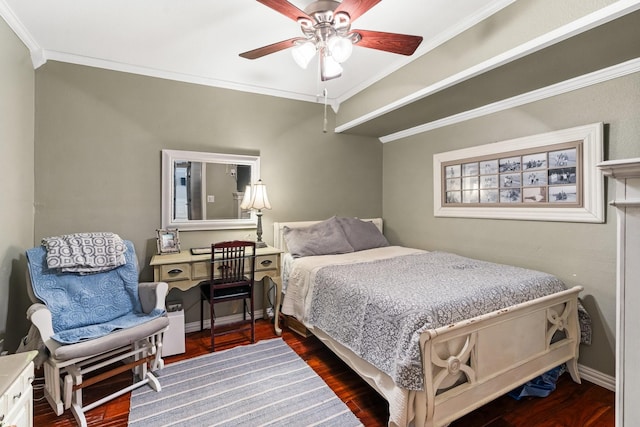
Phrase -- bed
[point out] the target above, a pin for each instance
(442, 362)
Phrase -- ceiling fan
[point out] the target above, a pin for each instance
(326, 29)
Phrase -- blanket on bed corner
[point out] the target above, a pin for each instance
(378, 309)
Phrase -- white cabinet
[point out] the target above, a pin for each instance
(627, 203)
(16, 401)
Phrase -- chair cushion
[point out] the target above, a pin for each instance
(115, 339)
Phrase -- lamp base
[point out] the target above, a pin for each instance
(259, 242)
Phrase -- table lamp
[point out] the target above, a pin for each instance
(256, 198)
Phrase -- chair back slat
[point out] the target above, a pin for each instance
(232, 262)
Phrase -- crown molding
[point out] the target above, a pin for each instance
(37, 55)
(429, 45)
(580, 82)
(40, 56)
(587, 22)
(181, 77)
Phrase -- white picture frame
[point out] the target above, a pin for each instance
(168, 241)
(540, 194)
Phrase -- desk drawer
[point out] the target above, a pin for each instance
(173, 272)
(201, 270)
(267, 262)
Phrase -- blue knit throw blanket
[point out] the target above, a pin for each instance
(85, 307)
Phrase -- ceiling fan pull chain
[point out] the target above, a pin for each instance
(324, 123)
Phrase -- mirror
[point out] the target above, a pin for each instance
(203, 191)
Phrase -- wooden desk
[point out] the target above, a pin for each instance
(185, 271)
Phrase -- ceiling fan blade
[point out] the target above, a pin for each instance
(402, 44)
(285, 8)
(355, 8)
(272, 48)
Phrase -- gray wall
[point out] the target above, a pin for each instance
(99, 136)
(16, 152)
(580, 254)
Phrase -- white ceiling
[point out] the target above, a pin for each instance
(199, 40)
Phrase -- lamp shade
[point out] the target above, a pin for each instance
(329, 67)
(259, 198)
(246, 198)
(303, 53)
(340, 48)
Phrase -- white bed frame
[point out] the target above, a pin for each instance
(492, 353)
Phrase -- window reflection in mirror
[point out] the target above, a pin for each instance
(203, 191)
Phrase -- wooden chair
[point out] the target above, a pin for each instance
(231, 278)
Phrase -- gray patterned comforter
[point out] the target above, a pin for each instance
(379, 309)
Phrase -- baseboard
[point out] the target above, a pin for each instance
(597, 377)
(195, 326)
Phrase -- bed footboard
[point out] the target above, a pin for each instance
(472, 362)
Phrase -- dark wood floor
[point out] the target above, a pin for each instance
(579, 405)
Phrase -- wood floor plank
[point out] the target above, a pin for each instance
(579, 405)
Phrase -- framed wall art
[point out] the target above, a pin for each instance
(168, 241)
(546, 177)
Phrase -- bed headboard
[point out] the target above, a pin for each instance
(278, 229)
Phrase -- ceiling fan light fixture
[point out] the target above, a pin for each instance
(326, 29)
(329, 67)
(303, 53)
(341, 48)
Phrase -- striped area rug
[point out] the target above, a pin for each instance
(263, 384)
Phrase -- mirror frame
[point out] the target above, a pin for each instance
(169, 158)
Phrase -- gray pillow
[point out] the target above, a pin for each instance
(323, 238)
(362, 234)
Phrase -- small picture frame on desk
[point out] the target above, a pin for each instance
(168, 241)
